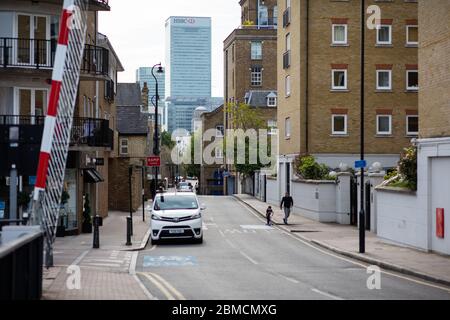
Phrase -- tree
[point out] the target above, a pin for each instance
(166, 140)
(192, 169)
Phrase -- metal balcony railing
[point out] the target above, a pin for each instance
(30, 53)
(109, 90)
(95, 60)
(287, 59)
(85, 131)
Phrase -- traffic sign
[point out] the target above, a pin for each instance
(153, 162)
(360, 164)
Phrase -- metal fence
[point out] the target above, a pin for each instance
(20, 52)
(21, 263)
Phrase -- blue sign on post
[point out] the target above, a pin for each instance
(2, 209)
(360, 164)
(32, 180)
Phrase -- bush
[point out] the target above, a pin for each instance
(408, 167)
(309, 169)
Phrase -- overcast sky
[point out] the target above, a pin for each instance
(136, 31)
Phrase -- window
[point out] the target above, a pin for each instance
(271, 101)
(384, 124)
(412, 125)
(339, 79)
(256, 50)
(384, 34)
(124, 146)
(339, 34)
(220, 131)
(275, 15)
(384, 79)
(256, 76)
(412, 35)
(288, 42)
(339, 124)
(288, 86)
(272, 125)
(288, 3)
(287, 128)
(412, 80)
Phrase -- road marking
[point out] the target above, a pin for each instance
(329, 295)
(80, 257)
(362, 265)
(289, 279)
(169, 286)
(221, 233)
(152, 248)
(104, 260)
(132, 269)
(248, 258)
(146, 292)
(256, 227)
(112, 265)
(169, 261)
(168, 295)
(231, 244)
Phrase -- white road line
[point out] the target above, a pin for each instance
(104, 265)
(80, 257)
(152, 248)
(231, 244)
(290, 279)
(168, 295)
(132, 269)
(221, 233)
(169, 286)
(328, 295)
(146, 292)
(248, 258)
(364, 266)
(104, 260)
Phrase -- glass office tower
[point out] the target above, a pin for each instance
(188, 68)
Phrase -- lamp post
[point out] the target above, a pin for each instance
(362, 214)
(156, 151)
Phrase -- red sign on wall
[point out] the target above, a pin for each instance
(440, 230)
(153, 162)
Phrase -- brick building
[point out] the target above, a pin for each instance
(319, 67)
(250, 53)
(133, 142)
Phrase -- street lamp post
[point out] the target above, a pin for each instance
(156, 151)
(362, 218)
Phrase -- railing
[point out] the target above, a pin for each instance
(287, 59)
(35, 53)
(286, 17)
(109, 90)
(21, 267)
(95, 60)
(270, 23)
(85, 131)
(102, 2)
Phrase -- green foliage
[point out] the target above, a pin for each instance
(308, 168)
(248, 23)
(166, 140)
(408, 167)
(87, 211)
(391, 174)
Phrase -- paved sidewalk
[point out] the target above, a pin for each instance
(106, 273)
(345, 240)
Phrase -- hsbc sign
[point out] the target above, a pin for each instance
(184, 20)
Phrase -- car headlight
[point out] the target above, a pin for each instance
(155, 217)
(196, 216)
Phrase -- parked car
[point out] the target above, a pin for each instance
(185, 187)
(177, 216)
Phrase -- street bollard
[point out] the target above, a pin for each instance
(129, 225)
(96, 244)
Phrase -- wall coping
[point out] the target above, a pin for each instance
(405, 191)
(313, 181)
(272, 178)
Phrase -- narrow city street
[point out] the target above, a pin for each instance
(241, 258)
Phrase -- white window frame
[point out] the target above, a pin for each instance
(288, 4)
(219, 130)
(273, 127)
(411, 133)
(339, 133)
(407, 80)
(333, 33)
(332, 79)
(274, 104)
(413, 43)
(287, 84)
(16, 108)
(122, 145)
(378, 80)
(256, 75)
(287, 42)
(287, 128)
(390, 34)
(383, 133)
(251, 50)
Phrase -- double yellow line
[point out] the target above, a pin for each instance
(165, 287)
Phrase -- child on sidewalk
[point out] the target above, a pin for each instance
(269, 214)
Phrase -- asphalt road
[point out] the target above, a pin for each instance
(241, 259)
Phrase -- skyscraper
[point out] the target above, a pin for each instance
(144, 75)
(188, 70)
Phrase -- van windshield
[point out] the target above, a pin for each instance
(176, 202)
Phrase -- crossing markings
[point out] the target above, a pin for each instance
(164, 286)
(248, 258)
(326, 294)
(169, 261)
(256, 227)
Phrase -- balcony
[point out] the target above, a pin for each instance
(286, 17)
(269, 23)
(109, 91)
(287, 59)
(36, 54)
(86, 132)
(99, 5)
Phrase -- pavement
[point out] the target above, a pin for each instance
(106, 273)
(243, 259)
(344, 240)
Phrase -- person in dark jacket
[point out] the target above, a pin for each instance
(287, 202)
(269, 214)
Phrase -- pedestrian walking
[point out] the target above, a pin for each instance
(269, 214)
(287, 203)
